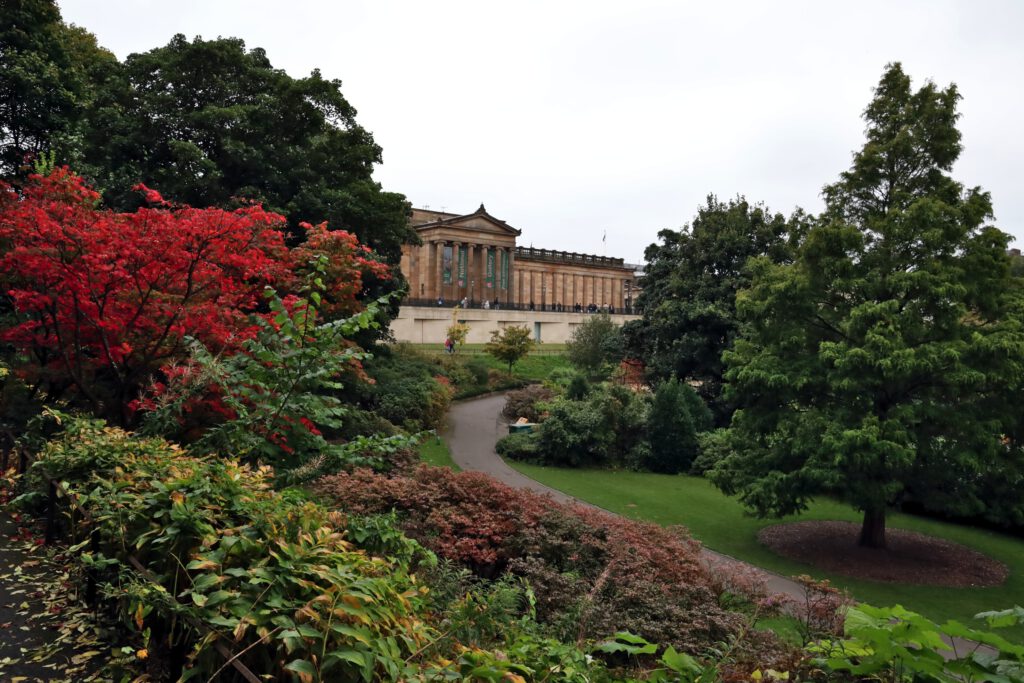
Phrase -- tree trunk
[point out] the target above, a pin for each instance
(872, 531)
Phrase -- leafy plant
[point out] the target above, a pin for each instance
(103, 299)
(510, 345)
(895, 644)
(275, 397)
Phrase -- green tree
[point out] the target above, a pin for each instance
(207, 121)
(48, 74)
(595, 344)
(677, 416)
(870, 361)
(510, 345)
(689, 291)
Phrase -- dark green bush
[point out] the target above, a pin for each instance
(603, 429)
(677, 416)
(522, 447)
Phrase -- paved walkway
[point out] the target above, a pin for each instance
(475, 425)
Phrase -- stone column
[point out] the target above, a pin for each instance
(486, 293)
(510, 296)
(457, 289)
(472, 286)
(434, 286)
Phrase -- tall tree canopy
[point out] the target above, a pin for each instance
(689, 291)
(48, 76)
(208, 121)
(875, 359)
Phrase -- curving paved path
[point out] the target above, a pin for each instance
(475, 425)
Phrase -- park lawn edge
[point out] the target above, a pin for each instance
(719, 523)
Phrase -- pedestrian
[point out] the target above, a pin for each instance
(440, 301)
(487, 304)
(465, 302)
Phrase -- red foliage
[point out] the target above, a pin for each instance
(467, 517)
(104, 299)
(348, 264)
(596, 571)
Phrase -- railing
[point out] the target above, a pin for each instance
(11, 453)
(567, 257)
(499, 305)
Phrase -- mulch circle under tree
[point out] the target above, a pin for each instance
(910, 558)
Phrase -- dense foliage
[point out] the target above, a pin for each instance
(526, 403)
(265, 574)
(884, 355)
(677, 416)
(49, 74)
(105, 301)
(595, 345)
(102, 300)
(689, 291)
(510, 344)
(609, 425)
(592, 573)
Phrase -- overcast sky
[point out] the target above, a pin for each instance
(569, 119)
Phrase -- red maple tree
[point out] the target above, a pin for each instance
(102, 299)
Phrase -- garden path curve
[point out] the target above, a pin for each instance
(474, 427)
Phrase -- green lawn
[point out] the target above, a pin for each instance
(533, 368)
(720, 523)
(434, 451)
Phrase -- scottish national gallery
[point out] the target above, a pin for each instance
(472, 261)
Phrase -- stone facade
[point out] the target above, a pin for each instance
(474, 257)
(428, 324)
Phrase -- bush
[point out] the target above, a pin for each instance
(677, 416)
(596, 345)
(297, 592)
(410, 388)
(605, 428)
(523, 403)
(229, 554)
(479, 370)
(592, 573)
(521, 446)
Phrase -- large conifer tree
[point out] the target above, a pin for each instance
(867, 363)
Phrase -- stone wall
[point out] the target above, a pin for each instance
(427, 325)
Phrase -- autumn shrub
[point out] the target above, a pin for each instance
(102, 300)
(274, 402)
(524, 403)
(294, 591)
(265, 573)
(591, 573)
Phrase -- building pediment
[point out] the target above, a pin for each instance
(479, 221)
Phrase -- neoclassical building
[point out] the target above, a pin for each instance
(474, 258)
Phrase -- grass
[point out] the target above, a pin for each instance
(720, 523)
(476, 349)
(434, 451)
(533, 368)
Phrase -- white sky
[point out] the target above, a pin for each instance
(571, 118)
